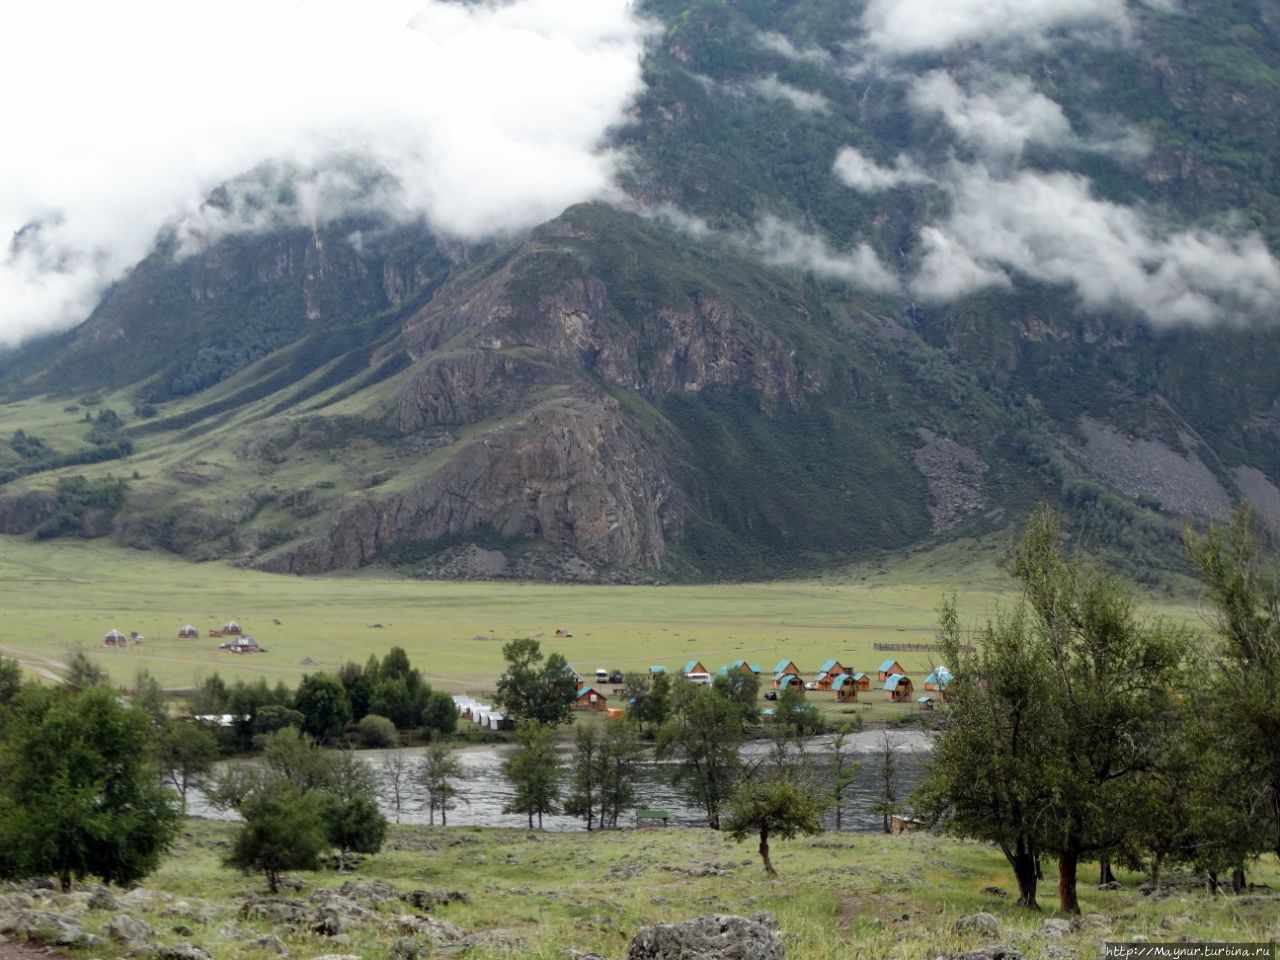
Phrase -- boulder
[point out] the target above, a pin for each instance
(125, 929)
(409, 948)
(103, 899)
(183, 951)
(372, 891)
(270, 943)
(713, 937)
(1055, 929)
(992, 951)
(51, 928)
(981, 922)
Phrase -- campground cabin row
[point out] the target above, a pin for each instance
(481, 714)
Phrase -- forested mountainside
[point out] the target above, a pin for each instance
(869, 277)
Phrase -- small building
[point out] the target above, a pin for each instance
(188, 633)
(937, 681)
(242, 644)
(785, 668)
(862, 681)
(833, 668)
(589, 698)
(897, 688)
(694, 666)
(925, 702)
(231, 629)
(889, 668)
(788, 680)
(655, 670)
(743, 667)
(114, 638)
(845, 688)
(652, 818)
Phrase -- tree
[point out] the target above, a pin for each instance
(79, 792)
(283, 829)
(375, 732)
(437, 773)
(886, 801)
(533, 772)
(10, 680)
(323, 703)
(619, 759)
(781, 808)
(185, 752)
(395, 769)
(796, 713)
(742, 688)
(1244, 587)
(353, 824)
(439, 713)
(148, 697)
(585, 794)
(83, 673)
(649, 698)
(844, 771)
(533, 690)
(704, 735)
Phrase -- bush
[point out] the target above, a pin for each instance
(374, 731)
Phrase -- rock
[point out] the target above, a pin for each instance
(981, 922)
(183, 951)
(103, 899)
(1055, 952)
(572, 953)
(270, 943)
(766, 919)
(182, 930)
(992, 951)
(50, 928)
(338, 956)
(493, 941)
(713, 937)
(1111, 885)
(407, 948)
(996, 892)
(373, 891)
(1094, 921)
(125, 929)
(328, 923)
(1055, 929)
(440, 932)
(427, 899)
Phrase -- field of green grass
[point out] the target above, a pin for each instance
(62, 596)
(537, 894)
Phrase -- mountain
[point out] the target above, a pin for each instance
(868, 285)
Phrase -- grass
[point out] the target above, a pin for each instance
(64, 595)
(839, 895)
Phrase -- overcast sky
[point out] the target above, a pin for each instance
(119, 116)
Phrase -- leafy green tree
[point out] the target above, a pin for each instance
(704, 736)
(440, 713)
(794, 712)
(271, 717)
(10, 680)
(283, 829)
(323, 703)
(83, 673)
(79, 792)
(148, 697)
(648, 697)
(844, 770)
(743, 689)
(185, 752)
(354, 824)
(585, 789)
(782, 807)
(533, 690)
(533, 772)
(374, 732)
(294, 756)
(620, 754)
(358, 683)
(438, 773)
(1243, 585)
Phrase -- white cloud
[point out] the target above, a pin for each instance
(780, 43)
(1049, 227)
(855, 169)
(786, 245)
(999, 117)
(775, 89)
(899, 27)
(121, 116)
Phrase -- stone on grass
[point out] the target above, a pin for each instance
(409, 948)
(270, 943)
(103, 899)
(980, 922)
(712, 937)
(992, 951)
(51, 928)
(1055, 928)
(183, 951)
(125, 929)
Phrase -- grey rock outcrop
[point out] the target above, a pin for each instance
(714, 937)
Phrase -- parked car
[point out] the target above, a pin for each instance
(771, 695)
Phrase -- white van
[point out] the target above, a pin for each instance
(702, 678)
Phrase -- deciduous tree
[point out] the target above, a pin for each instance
(533, 771)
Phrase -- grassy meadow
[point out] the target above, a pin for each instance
(535, 894)
(63, 595)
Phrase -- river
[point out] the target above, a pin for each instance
(484, 791)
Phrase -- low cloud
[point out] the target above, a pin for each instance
(781, 44)
(1049, 227)
(855, 169)
(903, 27)
(481, 118)
(999, 117)
(775, 89)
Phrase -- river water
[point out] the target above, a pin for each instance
(483, 791)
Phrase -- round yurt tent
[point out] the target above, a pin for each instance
(188, 632)
(232, 627)
(114, 638)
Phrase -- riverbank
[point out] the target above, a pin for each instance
(501, 893)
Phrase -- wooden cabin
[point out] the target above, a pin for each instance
(788, 680)
(862, 681)
(889, 668)
(937, 681)
(785, 668)
(898, 688)
(589, 698)
(694, 666)
(925, 702)
(845, 688)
